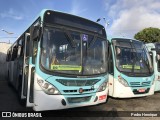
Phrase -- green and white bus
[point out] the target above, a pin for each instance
(60, 62)
(130, 69)
(154, 49)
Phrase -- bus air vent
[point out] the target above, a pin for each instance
(78, 82)
(78, 99)
(134, 83)
(146, 83)
(74, 91)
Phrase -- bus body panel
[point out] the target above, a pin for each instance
(154, 55)
(120, 91)
(55, 101)
(11, 69)
(126, 92)
(157, 84)
(15, 74)
(111, 85)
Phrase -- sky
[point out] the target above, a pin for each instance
(123, 18)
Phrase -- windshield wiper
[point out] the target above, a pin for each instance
(146, 65)
(139, 58)
(145, 62)
(93, 41)
(73, 44)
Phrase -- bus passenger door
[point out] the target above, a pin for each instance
(32, 49)
(26, 79)
(111, 72)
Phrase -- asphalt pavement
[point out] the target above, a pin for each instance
(9, 102)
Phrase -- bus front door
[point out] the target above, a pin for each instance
(27, 92)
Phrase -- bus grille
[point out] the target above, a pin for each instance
(146, 83)
(135, 83)
(78, 82)
(79, 99)
(139, 84)
(74, 91)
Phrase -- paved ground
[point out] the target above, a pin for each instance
(9, 102)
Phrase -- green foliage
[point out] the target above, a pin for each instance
(148, 35)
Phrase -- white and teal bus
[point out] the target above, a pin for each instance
(154, 49)
(130, 69)
(60, 62)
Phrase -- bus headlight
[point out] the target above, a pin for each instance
(102, 87)
(122, 81)
(48, 88)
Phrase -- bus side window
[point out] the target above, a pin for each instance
(20, 49)
(34, 51)
(14, 52)
(110, 62)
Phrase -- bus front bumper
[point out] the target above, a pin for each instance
(120, 91)
(43, 101)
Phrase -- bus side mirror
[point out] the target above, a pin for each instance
(36, 32)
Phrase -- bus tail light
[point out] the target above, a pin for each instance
(122, 81)
(48, 88)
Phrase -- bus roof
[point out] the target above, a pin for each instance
(109, 38)
(41, 15)
(45, 10)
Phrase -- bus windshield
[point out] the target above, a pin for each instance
(132, 57)
(157, 46)
(72, 52)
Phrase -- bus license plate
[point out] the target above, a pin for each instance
(141, 90)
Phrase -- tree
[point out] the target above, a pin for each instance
(148, 35)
